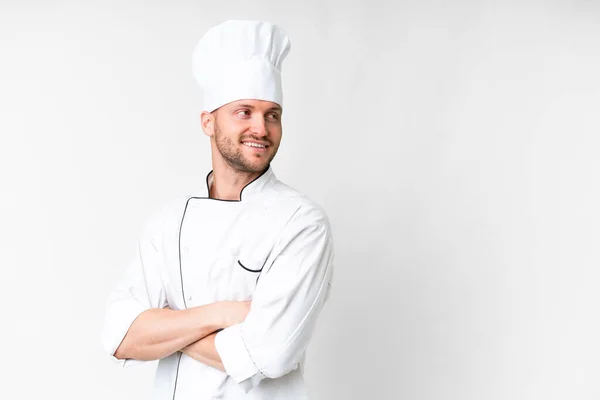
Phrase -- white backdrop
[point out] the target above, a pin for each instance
(454, 146)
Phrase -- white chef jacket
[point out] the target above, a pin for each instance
(274, 246)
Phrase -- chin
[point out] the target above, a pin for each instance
(257, 167)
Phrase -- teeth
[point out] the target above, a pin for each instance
(262, 146)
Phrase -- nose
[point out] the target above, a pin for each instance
(258, 127)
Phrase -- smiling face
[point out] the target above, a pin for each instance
(245, 134)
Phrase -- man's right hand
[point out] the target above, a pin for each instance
(159, 332)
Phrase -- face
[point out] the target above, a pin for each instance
(245, 134)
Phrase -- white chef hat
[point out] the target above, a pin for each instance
(238, 60)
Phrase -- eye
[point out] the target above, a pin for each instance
(273, 117)
(243, 113)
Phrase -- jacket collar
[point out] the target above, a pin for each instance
(252, 189)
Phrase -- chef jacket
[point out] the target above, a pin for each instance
(273, 246)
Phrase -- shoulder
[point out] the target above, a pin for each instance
(168, 215)
(306, 229)
(304, 210)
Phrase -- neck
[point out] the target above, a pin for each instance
(228, 182)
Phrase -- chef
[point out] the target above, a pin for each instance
(227, 286)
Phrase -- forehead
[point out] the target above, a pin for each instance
(254, 104)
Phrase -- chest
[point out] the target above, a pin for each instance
(221, 249)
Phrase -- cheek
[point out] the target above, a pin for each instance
(275, 134)
(239, 128)
(232, 130)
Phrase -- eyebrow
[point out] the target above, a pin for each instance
(250, 106)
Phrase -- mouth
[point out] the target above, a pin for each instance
(256, 146)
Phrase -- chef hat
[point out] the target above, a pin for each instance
(238, 60)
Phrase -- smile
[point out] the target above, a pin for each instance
(251, 144)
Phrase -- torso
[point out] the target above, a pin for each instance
(216, 250)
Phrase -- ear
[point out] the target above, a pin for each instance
(207, 121)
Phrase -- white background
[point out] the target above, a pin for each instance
(454, 146)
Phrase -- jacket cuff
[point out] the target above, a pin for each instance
(115, 332)
(235, 357)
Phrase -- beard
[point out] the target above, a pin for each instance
(233, 155)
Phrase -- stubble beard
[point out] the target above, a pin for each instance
(234, 156)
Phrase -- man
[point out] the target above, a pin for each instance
(227, 286)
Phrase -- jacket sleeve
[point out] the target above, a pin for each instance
(140, 288)
(286, 303)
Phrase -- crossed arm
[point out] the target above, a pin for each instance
(249, 345)
(159, 332)
(204, 350)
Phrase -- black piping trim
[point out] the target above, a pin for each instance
(241, 191)
(179, 247)
(248, 269)
(182, 289)
(177, 375)
(253, 180)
